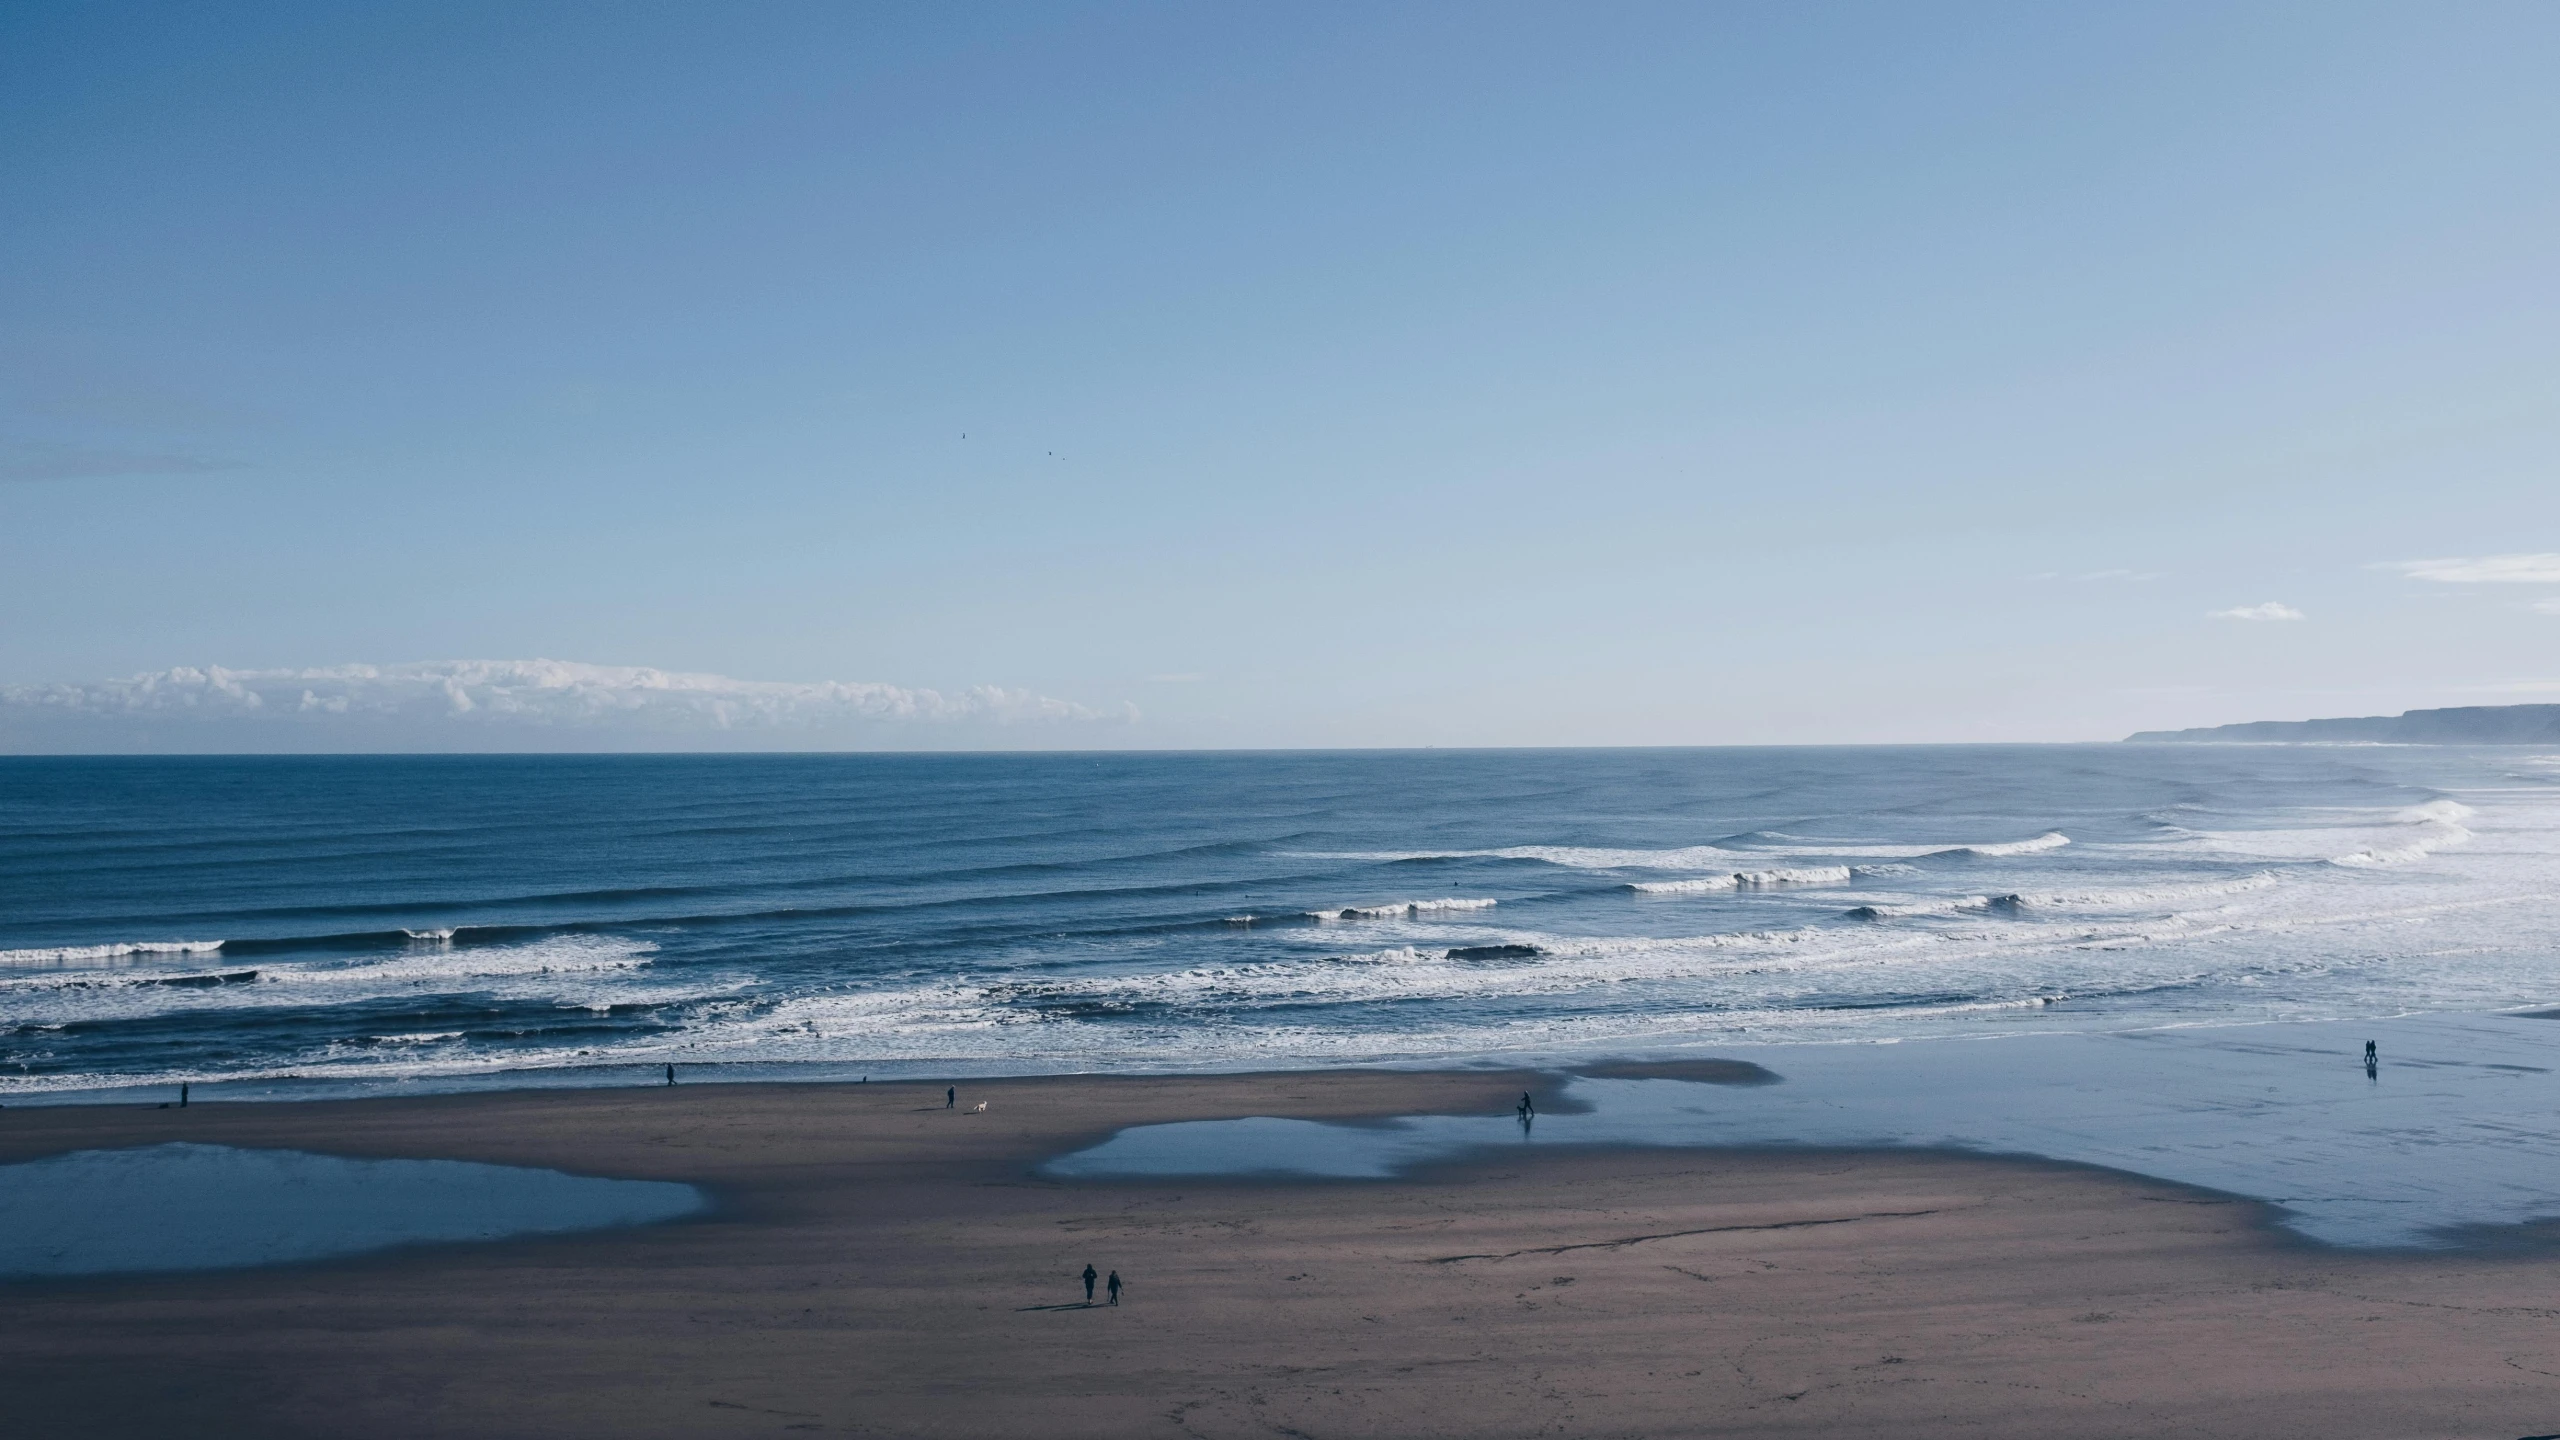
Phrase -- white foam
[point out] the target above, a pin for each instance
(1573, 857)
(1746, 880)
(1810, 875)
(90, 954)
(1703, 885)
(918, 1019)
(1737, 983)
(1731, 984)
(585, 971)
(1864, 850)
(2140, 896)
(2050, 840)
(2417, 849)
(2437, 825)
(2354, 837)
(1401, 909)
(1903, 910)
(556, 955)
(2442, 812)
(1704, 857)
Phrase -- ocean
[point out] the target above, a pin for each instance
(323, 925)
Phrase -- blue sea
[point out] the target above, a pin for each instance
(306, 925)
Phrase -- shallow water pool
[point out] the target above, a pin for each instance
(211, 1207)
(2454, 1134)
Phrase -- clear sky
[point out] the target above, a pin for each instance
(1329, 375)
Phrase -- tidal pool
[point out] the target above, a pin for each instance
(213, 1207)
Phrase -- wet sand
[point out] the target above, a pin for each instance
(879, 1265)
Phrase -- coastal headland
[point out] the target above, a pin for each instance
(878, 1263)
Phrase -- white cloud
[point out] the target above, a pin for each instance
(525, 694)
(2483, 569)
(2272, 610)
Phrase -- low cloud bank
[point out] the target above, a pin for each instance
(500, 704)
(2483, 569)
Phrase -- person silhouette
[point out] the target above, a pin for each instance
(951, 1097)
(1115, 1287)
(671, 1074)
(2371, 1057)
(1088, 1284)
(1528, 1107)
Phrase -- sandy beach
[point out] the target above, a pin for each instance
(878, 1264)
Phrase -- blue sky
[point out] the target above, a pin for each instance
(1331, 375)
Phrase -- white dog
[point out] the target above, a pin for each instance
(978, 1109)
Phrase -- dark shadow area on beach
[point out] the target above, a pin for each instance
(1704, 1072)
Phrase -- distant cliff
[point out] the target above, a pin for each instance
(2464, 725)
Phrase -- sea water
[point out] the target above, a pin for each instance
(349, 924)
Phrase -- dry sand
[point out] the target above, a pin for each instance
(879, 1265)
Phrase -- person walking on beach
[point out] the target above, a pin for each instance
(1528, 1107)
(1115, 1287)
(1088, 1284)
(671, 1074)
(2370, 1056)
(951, 1097)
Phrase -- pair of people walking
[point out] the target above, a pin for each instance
(1088, 1286)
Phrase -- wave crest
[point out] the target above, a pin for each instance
(1402, 908)
(90, 954)
(2438, 825)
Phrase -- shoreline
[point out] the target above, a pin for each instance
(877, 1264)
(2443, 1142)
(642, 1073)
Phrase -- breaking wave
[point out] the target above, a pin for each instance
(2150, 895)
(582, 971)
(93, 954)
(1706, 857)
(1746, 880)
(1904, 910)
(2436, 824)
(2050, 840)
(1400, 909)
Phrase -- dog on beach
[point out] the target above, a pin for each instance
(978, 1109)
